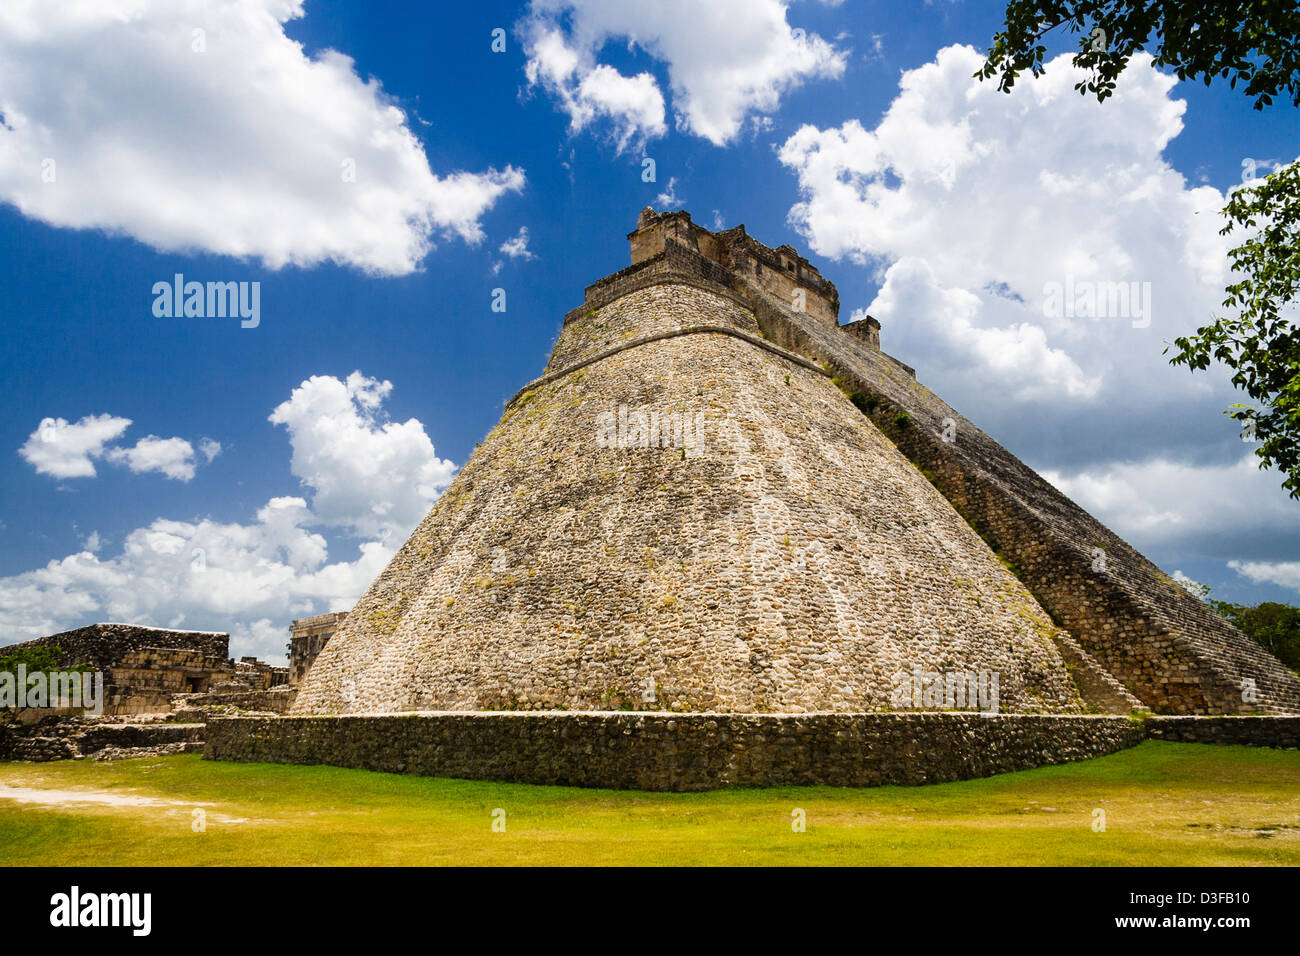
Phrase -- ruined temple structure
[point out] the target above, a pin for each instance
(307, 638)
(718, 499)
(152, 670)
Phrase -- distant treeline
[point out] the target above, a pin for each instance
(1274, 627)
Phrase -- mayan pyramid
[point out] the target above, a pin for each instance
(716, 498)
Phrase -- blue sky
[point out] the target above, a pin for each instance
(939, 207)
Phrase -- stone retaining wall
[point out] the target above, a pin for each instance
(71, 738)
(278, 700)
(1283, 732)
(683, 752)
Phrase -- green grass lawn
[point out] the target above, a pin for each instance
(1165, 804)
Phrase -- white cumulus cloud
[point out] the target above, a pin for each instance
(975, 211)
(202, 574)
(668, 199)
(1017, 355)
(66, 449)
(516, 247)
(103, 102)
(1282, 573)
(586, 91)
(971, 207)
(371, 478)
(1160, 503)
(725, 59)
(366, 474)
(173, 457)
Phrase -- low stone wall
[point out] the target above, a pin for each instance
(1282, 732)
(676, 751)
(70, 738)
(277, 699)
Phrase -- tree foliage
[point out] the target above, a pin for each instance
(1275, 627)
(1252, 42)
(41, 659)
(1255, 338)
(35, 659)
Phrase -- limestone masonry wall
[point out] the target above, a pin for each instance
(60, 738)
(146, 668)
(143, 667)
(278, 700)
(682, 752)
(781, 555)
(1282, 732)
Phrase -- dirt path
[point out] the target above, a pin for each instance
(103, 798)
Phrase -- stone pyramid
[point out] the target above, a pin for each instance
(716, 498)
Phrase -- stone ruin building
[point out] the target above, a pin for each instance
(152, 679)
(151, 670)
(160, 685)
(307, 638)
